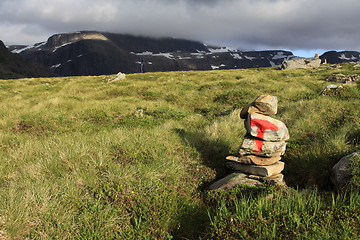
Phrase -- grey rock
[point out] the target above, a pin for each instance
(255, 160)
(277, 178)
(245, 111)
(139, 113)
(232, 181)
(341, 171)
(118, 77)
(263, 171)
(263, 104)
(301, 63)
(330, 90)
(342, 78)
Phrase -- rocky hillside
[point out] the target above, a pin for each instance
(14, 66)
(340, 57)
(96, 53)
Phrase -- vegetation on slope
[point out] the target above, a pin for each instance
(82, 158)
(14, 66)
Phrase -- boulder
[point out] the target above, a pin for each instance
(258, 147)
(266, 128)
(233, 180)
(341, 172)
(313, 63)
(301, 63)
(253, 159)
(330, 90)
(263, 171)
(118, 77)
(342, 78)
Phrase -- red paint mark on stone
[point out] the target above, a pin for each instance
(262, 126)
(258, 146)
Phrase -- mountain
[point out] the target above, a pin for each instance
(339, 57)
(14, 66)
(97, 53)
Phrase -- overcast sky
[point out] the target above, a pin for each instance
(302, 26)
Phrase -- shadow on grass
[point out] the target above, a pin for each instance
(195, 222)
(212, 152)
(304, 171)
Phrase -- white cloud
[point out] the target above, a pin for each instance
(250, 24)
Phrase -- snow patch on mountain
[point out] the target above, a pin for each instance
(279, 55)
(56, 65)
(222, 50)
(250, 58)
(66, 44)
(343, 57)
(236, 55)
(167, 55)
(34, 46)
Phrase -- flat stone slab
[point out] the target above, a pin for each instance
(277, 178)
(233, 180)
(263, 171)
(253, 159)
(238, 178)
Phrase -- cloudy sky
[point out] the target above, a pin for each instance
(302, 26)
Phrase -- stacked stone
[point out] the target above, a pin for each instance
(264, 143)
(261, 150)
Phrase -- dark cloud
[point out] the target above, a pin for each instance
(245, 24)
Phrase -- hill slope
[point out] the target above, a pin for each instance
(340, 57)
(14, 66)
(96, 53)
(85, 158)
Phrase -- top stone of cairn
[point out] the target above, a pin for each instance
(263, 104)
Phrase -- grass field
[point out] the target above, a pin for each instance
(82, 158)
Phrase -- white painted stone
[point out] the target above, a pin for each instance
(258, 147)
(266, 128)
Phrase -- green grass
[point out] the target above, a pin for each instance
(78, 161)
(301, 214)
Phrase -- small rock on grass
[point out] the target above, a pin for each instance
(341, 172)
(239, 178)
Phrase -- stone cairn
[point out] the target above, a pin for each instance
(261, 150)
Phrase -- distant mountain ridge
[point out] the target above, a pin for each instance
(97, 53)
(100, 53)
(340, 57)
(15, 66)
